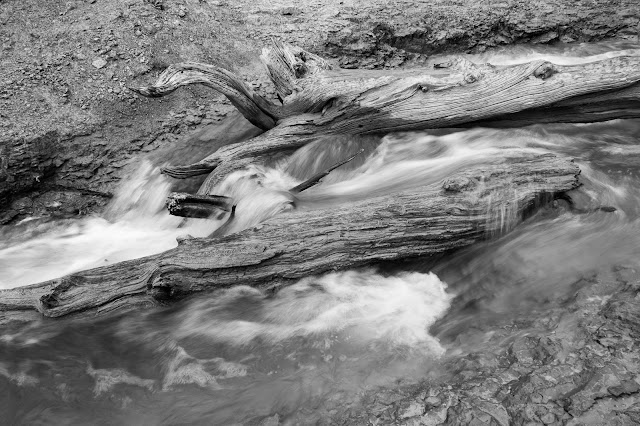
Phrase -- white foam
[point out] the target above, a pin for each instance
(20, 378)
(366, 306)
(183, 369)
(107, 378)
(136, 224)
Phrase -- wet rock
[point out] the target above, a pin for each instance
(572, 363)
(7, 216)
(22, 205)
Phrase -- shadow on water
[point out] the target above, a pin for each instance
(311, 350)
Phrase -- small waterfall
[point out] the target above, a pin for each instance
(134, 224)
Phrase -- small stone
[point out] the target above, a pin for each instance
(627, 387)
(290, 11)
(548, 418)
(433, 401)
(191, 119)
(23, 205)
(412, 410)
(99, 63)
(271, 421)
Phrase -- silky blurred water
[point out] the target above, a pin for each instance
(240, 356)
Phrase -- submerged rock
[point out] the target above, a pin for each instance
(575, 363)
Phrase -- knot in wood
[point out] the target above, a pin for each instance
(441, 65)
(300, 69)
(457, 184)
(470, 78)
(182, 238)
(160, 293)
(545, 71)
(49, 301)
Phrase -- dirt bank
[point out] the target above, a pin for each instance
(69, 126)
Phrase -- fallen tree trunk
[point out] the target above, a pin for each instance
(468, 206)
(319, 101)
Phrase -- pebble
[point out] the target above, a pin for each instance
(99, 63)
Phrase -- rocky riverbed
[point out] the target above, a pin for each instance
(70, 129)
(576, 362)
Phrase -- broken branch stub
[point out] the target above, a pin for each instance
(315, 179)
(198, 206)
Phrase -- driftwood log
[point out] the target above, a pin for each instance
(319, 101)
(467, 206)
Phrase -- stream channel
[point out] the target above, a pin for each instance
(238, 356)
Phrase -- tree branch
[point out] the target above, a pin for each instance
(256, 109)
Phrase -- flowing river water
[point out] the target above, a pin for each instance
(239, 356)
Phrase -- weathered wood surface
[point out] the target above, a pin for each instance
(467, 206)
(320, 101)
